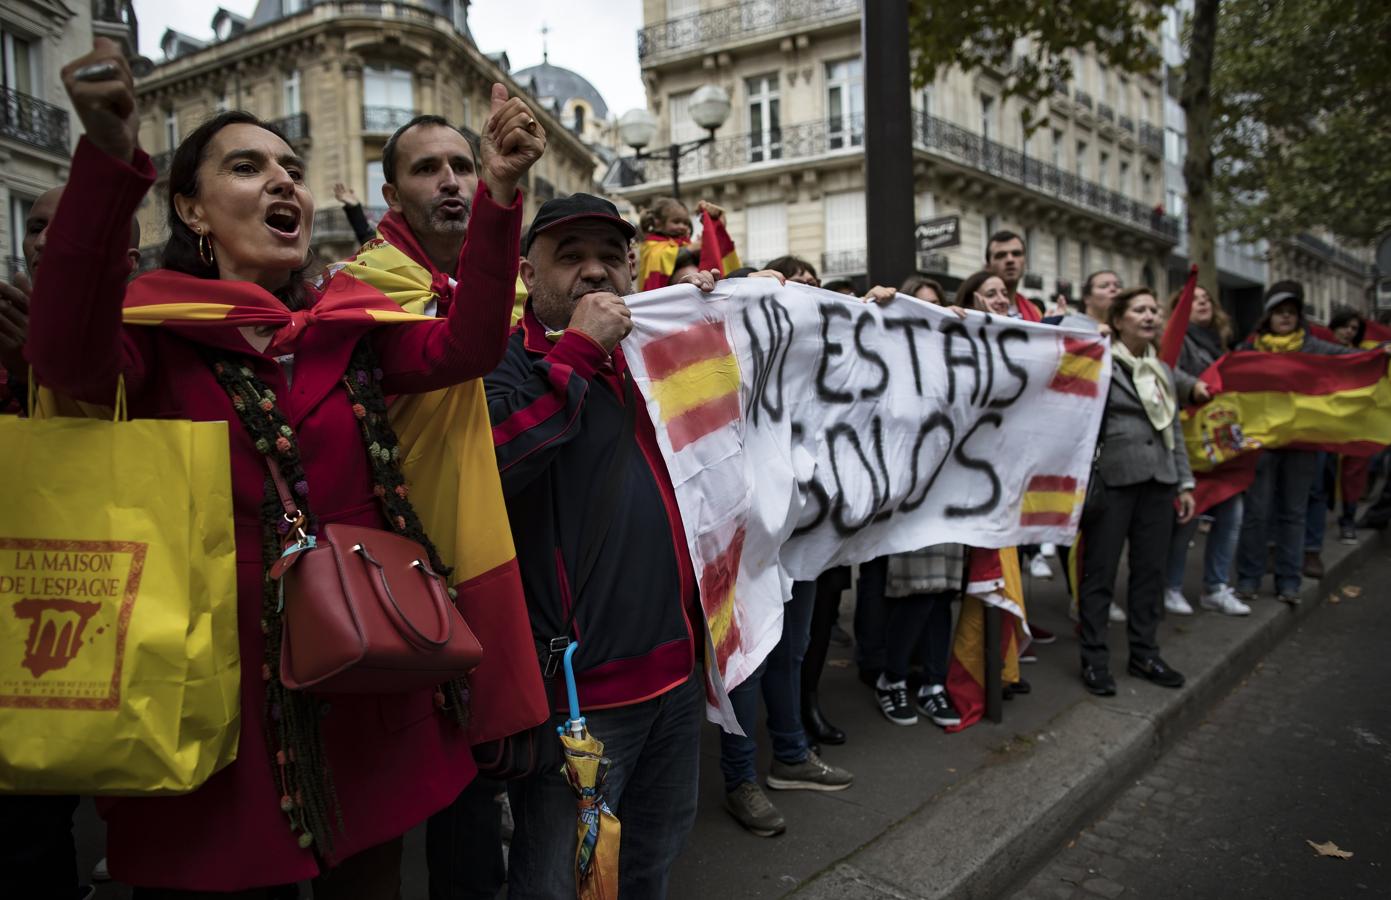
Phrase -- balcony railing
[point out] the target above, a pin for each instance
(1105, 111)
(844, 262)
(738, 20)
(1083, 98)
(331, 224)
(385, 119)
(29, 119)
(1152, 139)
(1127, 124)
(1332, 253)
(977, 152)
(294, 127)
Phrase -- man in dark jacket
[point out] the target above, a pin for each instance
(602, 553)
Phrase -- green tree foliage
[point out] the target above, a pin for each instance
(984, 35)
(1302, 117)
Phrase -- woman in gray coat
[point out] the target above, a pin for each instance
(1144, 466)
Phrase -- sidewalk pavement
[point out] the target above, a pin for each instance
(972, 814)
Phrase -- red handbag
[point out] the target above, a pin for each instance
(364, 613)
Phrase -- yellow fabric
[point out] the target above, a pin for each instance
(119, 665)
(446, 437)
(969, 644)
(1277, 418)
(584, 762)
(656, 257)
(694, 385)
(1281, 343)
(519, 303)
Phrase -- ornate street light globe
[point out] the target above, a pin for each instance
(710, 106)
(637, 128)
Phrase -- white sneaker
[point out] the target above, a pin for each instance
(1175, 603)
(1048, 550)
(1117, 614)
(1224, 601)
(1039, 568)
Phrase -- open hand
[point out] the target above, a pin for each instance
(1187, 506)
(1201, 392)
(513, 140)
(706, 206)
(344, 194)
(702, 278)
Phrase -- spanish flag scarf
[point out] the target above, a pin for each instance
(657, 253)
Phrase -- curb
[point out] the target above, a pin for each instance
(991, 833)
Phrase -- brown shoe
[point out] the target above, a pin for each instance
(1313, 564)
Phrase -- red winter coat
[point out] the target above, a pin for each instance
(395, 761)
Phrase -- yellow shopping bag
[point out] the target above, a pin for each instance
(119, 664)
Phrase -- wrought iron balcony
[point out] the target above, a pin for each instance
(1083, 98)
(1127, 124)
(977, 152)
(844, 262)
(1105, 111)
(295, 127)
(385, 119)
(738, 20)
(29, 119)
(1331, 253)
(1152, 139)
(331, 223)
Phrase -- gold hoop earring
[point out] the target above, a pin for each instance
(205, 249)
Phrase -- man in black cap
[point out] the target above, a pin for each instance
(602, 553)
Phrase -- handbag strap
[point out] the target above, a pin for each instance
(601, 517)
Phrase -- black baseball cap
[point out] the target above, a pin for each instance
(576, 206)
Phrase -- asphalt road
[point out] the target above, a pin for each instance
(1300, 752)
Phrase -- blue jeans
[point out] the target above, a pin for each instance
(1316, 514)
(1219, 550)
(463, 845)
(651, 787)
(1276, 506)
(871, 614)
(780, 679)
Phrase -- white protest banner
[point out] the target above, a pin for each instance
(804, 430)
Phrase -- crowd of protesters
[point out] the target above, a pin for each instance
(600, 546)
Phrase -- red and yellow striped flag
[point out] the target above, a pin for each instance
(694, 378)
(717, 583)
(1050, 500)
(1079, 371)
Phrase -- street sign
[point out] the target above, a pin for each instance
(933, 234)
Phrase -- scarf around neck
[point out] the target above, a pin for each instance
(1152, 385)
(1281, 343)
(1207, 340)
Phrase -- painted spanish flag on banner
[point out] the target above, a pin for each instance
(1079, 370)
(1266, 400)
(1051, 500)
(694, 380)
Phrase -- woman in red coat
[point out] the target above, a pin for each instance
(321, 788)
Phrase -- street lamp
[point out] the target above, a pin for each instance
(637, 128)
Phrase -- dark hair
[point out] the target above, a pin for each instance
(792, 266)
(181, 250)
(742, 272)
(389, 151)
(1123, 301)
(1000, 237)
(966, 292)
(1288, 286)
(1345, 315)
(1087, 285)
(914, 283)
(660, 210)
(684, 258)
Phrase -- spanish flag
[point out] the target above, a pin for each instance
(993, 579)
(722, 554)
(1051, 500)
(657, 253)
(694, 378)
(1269, 400)
(1079, 369)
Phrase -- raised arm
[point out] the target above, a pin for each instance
(76, 343)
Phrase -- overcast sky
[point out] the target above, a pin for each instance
(596, 38)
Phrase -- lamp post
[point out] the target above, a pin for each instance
(637, 127)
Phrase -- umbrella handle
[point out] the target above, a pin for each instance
(570, 690)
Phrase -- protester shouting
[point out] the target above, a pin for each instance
(1144, 466)
(1277, 502)
(1208, 335)
(239, 218)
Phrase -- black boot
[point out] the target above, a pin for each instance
(819, 730)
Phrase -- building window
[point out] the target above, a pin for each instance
(992, 224)
(1081, 164)
(222, 104)
(926, 205)
(845, 103)
(578, 124)
(292, 97)
(1123, 181)
(21, 58)
(845, 231)
(765, 128)
(171, 130)
(682, 127)
(1057, 148)
(458, 14)
(1146, 186)
(1173, 203)
(925, 100)
(388, 98)
(1173, 146)
(1103, 167)
(19, 215)
(1144, 104)
(766, 227)
(1028, 249)
(1085, 251)
(375, 179)
(1060, 257)
(987, 116)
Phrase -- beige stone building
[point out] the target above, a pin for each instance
(1086, 189)
(338, 77)
(37, 127)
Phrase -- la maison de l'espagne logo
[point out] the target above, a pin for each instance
(65, 609)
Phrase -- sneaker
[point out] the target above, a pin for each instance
(1028, 656)
(893, 702)
(1347, 535)
(1041, 635)
(751, 808)
(1155, 670)
(1017, 687)
(1289, 598)
(811, 774)
(934, 703)
(1099, 681)
(1116, 614)
(1176, 603)
(1313, 564)
(1048, 550)
(1224, 601)
(99, 871)
(1039, 568)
